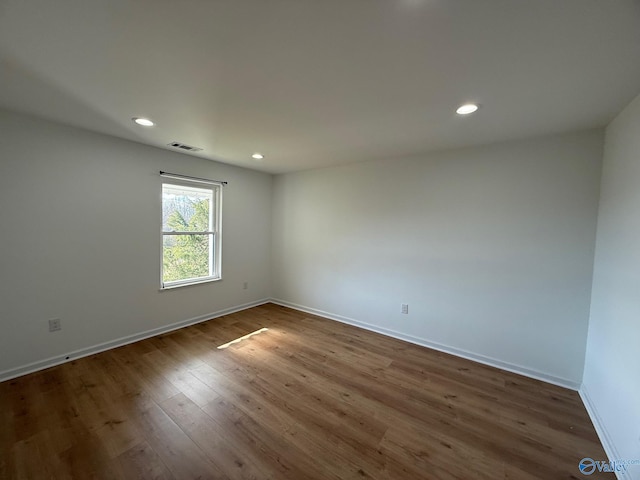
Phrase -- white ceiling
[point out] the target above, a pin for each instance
(312, 83)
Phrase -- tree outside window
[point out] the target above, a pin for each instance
(190, 231)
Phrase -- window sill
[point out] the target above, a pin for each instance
(190, 283)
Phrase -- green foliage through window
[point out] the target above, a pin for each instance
(188, 233)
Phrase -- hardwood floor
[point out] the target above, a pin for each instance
(308, 398)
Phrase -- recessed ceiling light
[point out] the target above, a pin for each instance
(145, 122)
(257, 156)
(466, 109)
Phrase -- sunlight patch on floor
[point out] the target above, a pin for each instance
(244, 337)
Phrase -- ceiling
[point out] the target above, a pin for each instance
(312, 83)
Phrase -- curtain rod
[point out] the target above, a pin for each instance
(199, 179)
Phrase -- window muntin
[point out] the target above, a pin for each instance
(191, 243)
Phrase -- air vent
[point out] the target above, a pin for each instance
(182, 146)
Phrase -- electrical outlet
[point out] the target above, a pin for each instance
(404, 308)
(55, 324)
(245, 285)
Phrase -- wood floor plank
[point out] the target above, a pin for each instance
(282, 403)
(148, 379)
(178, 452)
(303, 398)
(213, 440)
(141, 461)
(87, 458)
(181, 378)
(271, 446)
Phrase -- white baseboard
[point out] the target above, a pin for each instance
(83, 352)
(492, 362)
(601, 429)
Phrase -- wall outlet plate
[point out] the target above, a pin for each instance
(55, 324)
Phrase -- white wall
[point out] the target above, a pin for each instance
(80, 239)
(491, 247)
(612, 370)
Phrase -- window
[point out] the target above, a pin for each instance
(191, 242)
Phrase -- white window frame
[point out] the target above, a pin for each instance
(215, 233)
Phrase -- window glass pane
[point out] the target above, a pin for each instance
(185, 257)
(186, 209)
